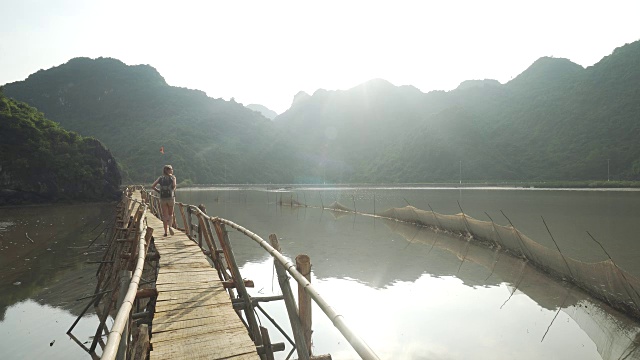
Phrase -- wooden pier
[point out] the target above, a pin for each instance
(182, 296)
(194, 317)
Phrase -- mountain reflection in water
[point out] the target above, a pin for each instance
(41, 280)
(412, 293)
(409, 292)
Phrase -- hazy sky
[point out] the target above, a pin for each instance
(266, 51)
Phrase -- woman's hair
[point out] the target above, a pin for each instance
(166, 169)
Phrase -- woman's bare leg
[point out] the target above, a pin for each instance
(165, 215)
(170, 217)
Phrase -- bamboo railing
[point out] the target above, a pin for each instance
(201, 227)
(118, 335)
(118, 291)
(127, 261)
(356, 342)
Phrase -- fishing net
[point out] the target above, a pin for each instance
(611, 334)
(604, 279)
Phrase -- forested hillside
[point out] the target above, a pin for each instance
(555, 121)
(135, 113)
(41, 162)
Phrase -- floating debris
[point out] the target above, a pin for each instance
(51, 343)
(17, 283)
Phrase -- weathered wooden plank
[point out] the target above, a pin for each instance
(187, 278)
(183, 270)
(204, 286)
(171, 305)
(184, 295)
(185, 245)
(249, 356)
(189, 312)
(185, 263)
(181, 266)
(217, 345)
(174, 243)
(193, 318)
(187, 251)
(186, 329)
(183, 324)
(191, 301)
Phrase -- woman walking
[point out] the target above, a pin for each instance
(167, 192)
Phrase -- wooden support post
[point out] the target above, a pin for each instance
(266, 342)
(200, 234)
(146, 293)
(303, 265)
(174, 223)
(242, 290)
(187, 225)
(141, 342)
(215, 253)
(290, 303)
(184, 219)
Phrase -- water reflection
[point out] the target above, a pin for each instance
(31, 330)
(415, 294)
(43, 250)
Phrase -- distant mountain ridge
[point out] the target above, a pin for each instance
(135, 113)
(266, 112)
(555, 121)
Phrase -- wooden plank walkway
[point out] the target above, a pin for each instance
(194, 318)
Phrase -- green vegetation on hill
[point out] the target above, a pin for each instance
(135, 113)
(554, 122)
(40, 161)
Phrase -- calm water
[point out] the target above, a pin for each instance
(408, 292)
(41, 280)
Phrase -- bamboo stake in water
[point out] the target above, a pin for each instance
(557, 247)
(290, 303)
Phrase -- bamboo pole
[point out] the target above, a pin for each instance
(356, 342)
(290, 303)
(184, 219)
(303, 265)
(124, 311)
(208, 238)
(523, 246)
(242, 290)
(125, 278)
(187, 225)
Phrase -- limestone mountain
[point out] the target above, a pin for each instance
(136, 113)
(468, 84)
(555, 121)
(265, 111)
(41, 162)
